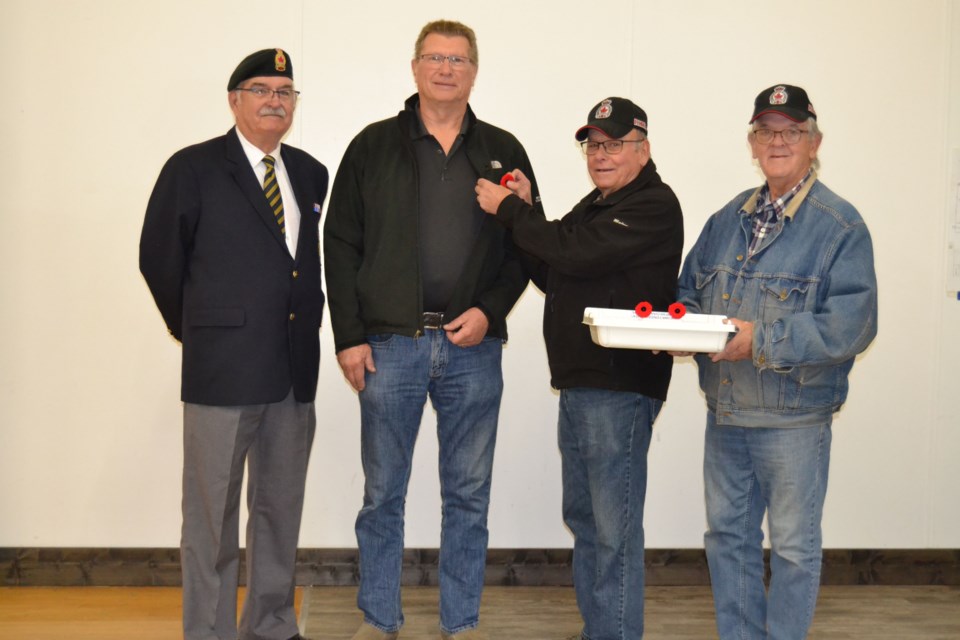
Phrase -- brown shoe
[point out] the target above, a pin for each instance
(369, 632)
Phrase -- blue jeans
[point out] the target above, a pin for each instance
(783, 472)
(464, 385)
(604, 437)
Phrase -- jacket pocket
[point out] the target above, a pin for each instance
(216, 318)
(781, 297)
(706, 285)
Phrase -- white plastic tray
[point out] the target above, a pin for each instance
(623, 329)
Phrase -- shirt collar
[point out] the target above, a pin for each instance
(753, 203)
(763, 198)
(419, 130)
(254, 154)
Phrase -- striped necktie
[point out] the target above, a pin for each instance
(272, 191)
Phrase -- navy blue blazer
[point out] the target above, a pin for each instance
(247, 313)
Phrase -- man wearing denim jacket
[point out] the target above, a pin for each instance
(791, 265)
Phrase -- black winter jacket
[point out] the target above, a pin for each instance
(371, 243)
(610, 253)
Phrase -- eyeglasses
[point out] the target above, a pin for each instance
(435, 60)
(789, 136)
(611, 147)
(285, 95)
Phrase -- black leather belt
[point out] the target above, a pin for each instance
(433, 320)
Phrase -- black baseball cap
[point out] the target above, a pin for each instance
(786, 100)
(266, 62)
(615, 117)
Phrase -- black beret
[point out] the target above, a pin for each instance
(267, 62)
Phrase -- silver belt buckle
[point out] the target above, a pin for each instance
(432, 320)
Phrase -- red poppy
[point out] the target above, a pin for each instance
(507, 177)
(644, 309)
(677, 310)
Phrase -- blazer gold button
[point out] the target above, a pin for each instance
(292, 316)
(296, 274)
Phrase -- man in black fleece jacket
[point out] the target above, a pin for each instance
(620, 245)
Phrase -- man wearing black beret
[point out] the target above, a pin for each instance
(229, 249)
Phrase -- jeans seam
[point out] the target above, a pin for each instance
(626, 518)
(811, 593)
(742, 587)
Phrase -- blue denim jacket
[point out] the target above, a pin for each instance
(811, 292)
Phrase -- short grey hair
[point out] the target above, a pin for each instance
(815, 133)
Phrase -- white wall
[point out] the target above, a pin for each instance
(98, 93)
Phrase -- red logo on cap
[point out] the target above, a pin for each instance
(779, 95)
(280, 61)
(604, 110)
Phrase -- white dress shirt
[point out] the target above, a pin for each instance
(291, 212)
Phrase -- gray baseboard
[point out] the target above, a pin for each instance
(47, 566)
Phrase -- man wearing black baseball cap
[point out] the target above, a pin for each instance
(790, 263)
(786, 100)
(229, 249)
(620, 245)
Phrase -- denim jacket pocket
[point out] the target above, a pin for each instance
(706, 283)
(780, 389)
(782, 297)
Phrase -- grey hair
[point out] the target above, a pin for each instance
(815, 133)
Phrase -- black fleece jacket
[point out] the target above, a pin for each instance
(371, 244)
(612, 252)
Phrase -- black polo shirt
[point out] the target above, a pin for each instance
(450, 216)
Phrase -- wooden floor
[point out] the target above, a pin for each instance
(94, 613)
(672, 613)
(508, 613)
